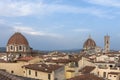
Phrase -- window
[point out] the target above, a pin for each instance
(72, 64)
(76, 64)
(107, 42)
(12, 71)
(49, 76)
(36, 73)
(111, 66)
(98, 73)
(20, 47)
(29, 72)
(11, 47)
(110, 75)
(104, 74)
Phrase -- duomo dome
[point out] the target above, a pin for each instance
(89, 44)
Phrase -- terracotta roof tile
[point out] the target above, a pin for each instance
(86, 77)
(58, 61)
(87, 69)
(114, 73)
(6, 76)
(43, 67)
(70, 71)
(18, 38)
(25, 58)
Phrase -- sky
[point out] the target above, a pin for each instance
(61, 24)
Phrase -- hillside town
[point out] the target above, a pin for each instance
(21, 62)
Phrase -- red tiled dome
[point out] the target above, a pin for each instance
(18, 39)
(89, 44)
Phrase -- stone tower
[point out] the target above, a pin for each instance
(107, 43)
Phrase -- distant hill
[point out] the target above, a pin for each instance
(71, 51)
(65, 51)
(2, 49)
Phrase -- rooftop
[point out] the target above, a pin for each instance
(6, 76)
(86, 77)
(17, 38)
(114, 73)
(27, 58)
(87, 69)
(43, 67)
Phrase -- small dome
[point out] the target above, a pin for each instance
(89, 44)
(18, 39)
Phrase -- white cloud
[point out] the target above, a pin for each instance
(110, 3)
(74, 10)
(82, 30)
(31, 31)
(26, 8)
(9, 8)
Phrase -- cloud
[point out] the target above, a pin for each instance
(82, 30)
(75, 10)
(31, 31)
(13, 8)
(16, 8)
(109, 3)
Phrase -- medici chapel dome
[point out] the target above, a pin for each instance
(17, 43)
(18, 39)
(89, 44)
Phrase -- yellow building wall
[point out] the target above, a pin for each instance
(69, 74)
(15, 67)
(40, 75)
